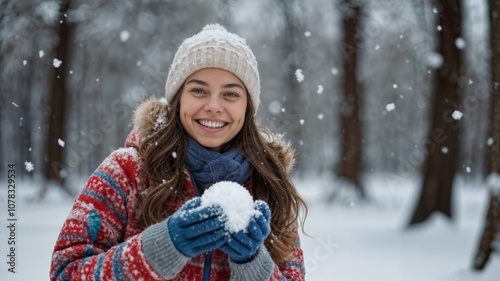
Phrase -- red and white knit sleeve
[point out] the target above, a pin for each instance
(99, 240)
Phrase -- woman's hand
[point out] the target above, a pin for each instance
(242, 246)
(194, 229)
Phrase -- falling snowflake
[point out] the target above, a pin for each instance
(390, 107)
(493, 181)
(460, 43)
(56, 63)
(320, 89)
(124, 35)
(433, 59)
(299, 75)
(60, 142)
(457, 115)
(29, 166)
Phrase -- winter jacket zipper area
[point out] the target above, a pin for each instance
(207, 266)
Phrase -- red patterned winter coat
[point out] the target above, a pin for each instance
(102, 239)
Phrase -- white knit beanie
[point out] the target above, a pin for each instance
(214, 47)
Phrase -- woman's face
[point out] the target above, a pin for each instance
(212, 107)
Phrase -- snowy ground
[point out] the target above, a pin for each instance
(372, 242)
(348, 243)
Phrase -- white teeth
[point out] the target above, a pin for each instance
(212, 124)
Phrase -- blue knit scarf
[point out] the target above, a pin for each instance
(208, 167)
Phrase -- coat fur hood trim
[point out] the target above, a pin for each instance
(151, 114)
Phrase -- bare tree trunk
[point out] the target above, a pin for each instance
(57, 116)
(492, 224)
(351, 135)
(440, 164)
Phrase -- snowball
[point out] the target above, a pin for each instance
(457, 115)
(56, 63)
(390, 107)
(299, 75)
(60, 142)
(124, 35)
(235, 201)
(29, 166)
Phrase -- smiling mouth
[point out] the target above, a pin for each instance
(211, 124)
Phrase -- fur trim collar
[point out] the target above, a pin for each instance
(151, 113)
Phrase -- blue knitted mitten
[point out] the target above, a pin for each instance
(242, 246)
(194, 229)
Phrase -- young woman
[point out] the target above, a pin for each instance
(139, 216)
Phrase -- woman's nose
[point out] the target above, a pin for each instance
(213, 105)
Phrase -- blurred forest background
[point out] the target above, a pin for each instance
(400, 88)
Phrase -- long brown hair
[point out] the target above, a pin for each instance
(164, 153)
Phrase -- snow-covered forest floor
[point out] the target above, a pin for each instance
(347, 242)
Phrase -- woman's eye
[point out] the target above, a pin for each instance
(231, 95)
(197, 91)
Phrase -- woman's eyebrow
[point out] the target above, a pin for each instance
(233, 85)
(203, 83)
